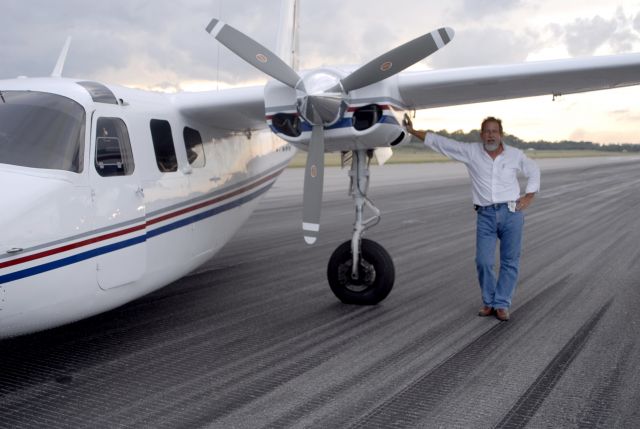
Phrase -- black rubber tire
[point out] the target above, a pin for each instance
(376, 278)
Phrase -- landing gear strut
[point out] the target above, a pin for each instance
(361, 271)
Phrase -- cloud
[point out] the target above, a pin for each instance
(484, 46)
(475, 9)
(114, 35)
(585, 36)
(625, 115)
(166, 44)
(121, 38)
(335, 32)
(623, 42)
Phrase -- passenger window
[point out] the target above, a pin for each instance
(113, 148)
(163, 145)
(193, 145)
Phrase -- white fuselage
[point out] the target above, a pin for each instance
(77, 243)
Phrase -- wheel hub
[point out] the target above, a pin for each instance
(366, 276)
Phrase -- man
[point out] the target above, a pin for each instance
(493, 168)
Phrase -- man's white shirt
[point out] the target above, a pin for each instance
(492, 181)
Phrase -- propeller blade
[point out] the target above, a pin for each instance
(397, 59)
(253, 52)
(313, 182)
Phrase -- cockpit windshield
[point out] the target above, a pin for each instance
(41, 130)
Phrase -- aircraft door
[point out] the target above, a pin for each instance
(118, 205)
(201, 181)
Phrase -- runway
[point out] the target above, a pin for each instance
(256, 339)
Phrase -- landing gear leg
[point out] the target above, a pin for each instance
(361, 271)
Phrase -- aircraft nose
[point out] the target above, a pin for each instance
(39, 213)
(28, 206)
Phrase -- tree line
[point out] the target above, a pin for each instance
(474, 136)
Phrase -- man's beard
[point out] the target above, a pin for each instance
(491, 146)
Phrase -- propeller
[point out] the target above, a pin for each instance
(397, 59)
(253, 52)
(313, 182)
(322, 95)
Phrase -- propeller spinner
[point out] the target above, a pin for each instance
(322, 96)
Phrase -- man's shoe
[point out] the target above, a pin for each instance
(502, 314)
(485, 311)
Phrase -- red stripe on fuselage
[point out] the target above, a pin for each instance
(213, 201)
(71, 246)
(114, 234)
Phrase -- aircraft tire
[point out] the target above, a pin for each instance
(376, 275)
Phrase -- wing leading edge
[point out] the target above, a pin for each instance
(240, 109)
(230, 110)
(440, 88)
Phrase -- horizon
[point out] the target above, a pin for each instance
(467, 134)
(120, 43)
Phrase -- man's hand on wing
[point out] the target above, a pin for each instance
(408, 124)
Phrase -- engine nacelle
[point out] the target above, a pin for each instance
(367, 122)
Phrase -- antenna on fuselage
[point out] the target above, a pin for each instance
(57, 70)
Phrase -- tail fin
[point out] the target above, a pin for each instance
(57, 70)
(287, 43)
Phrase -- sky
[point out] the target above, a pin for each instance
(162, 45)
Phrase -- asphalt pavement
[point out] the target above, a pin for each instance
(255, 338)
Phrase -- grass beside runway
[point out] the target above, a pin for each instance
(409, 155)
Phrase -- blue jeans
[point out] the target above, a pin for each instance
(495, 223)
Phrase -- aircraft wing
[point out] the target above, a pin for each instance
(232, 110)
(239, 109)
(439, 88)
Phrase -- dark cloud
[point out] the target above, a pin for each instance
(160, 35)
(483, 46)
(338, 32)
(478, 9)
(109, 35)
(151, 37)
(585, 36)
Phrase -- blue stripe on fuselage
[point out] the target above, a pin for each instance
(208, 213)
(132, 241)
(71, 259)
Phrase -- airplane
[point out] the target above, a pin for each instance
(110, 193)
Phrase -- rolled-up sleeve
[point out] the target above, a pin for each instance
(450, 148)
(531, 171)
